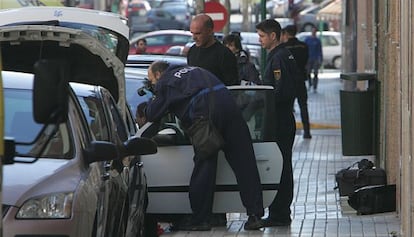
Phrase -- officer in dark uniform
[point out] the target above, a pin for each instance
(174, 88)
(282, 73)
(300, 51)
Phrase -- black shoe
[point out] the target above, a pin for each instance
(307, 136)
(269, 222)
(202, 226)
(253, 223)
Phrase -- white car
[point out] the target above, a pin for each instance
(331, 46)
(169, 170)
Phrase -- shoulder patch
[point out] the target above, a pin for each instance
(277, 74)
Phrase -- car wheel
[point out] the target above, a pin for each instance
(151, 226)
(337, 62)
(307, 27)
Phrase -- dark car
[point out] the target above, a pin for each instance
(159, 19)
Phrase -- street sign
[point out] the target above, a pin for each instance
(218, 13)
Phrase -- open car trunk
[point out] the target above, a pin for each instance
(30, 34)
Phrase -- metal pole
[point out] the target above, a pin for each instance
(263, 54)
(199, 6)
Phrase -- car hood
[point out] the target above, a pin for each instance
(24, 180)
(27, 38)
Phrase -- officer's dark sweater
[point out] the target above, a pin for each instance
(283, 74)
(299, 50)
(217, 59)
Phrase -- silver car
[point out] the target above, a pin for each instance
(75, 164)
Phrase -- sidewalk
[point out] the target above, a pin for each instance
(317, 209)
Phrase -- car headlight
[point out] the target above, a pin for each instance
(52, 206)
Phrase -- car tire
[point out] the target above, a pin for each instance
(337, 62)
(151, 226)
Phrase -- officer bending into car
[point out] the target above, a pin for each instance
(175, 89)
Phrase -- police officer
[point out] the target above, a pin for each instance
(174, 88)
(300, 51)
(282, 73)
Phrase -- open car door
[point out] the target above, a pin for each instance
(169, 170)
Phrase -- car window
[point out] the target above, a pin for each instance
(20, 125)
(328, 40)
(181, 39)
(252, 104)
(157, 40)
(95, 116)
(121, 130)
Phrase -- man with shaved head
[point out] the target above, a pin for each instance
(211, 54)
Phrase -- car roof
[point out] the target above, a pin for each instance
(145, 60)
(335, 33)
(17, 80)
(60, 33)
(161, 32)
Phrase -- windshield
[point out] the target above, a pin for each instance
(20, 125)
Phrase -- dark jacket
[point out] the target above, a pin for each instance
(217, 59)
(176, 92)
(283, 74)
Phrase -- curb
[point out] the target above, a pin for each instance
(319, 126)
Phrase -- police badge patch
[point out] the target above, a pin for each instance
(277, 74)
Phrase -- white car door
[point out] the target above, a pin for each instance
(169, 170)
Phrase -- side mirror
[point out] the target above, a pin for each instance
(50, 91)
(139, 146)
(100, 151)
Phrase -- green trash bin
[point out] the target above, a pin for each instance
(358, 115)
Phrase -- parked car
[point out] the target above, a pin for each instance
(136, 11)
(182, 13)
(71, 175)
(307, 19)
(331, 46)
(280, 8)
(137, 8)
(158, 42)
(168, 193)
(160, 19)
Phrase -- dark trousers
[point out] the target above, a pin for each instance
(239, 154)
(313, 65)
(286, 128)
(302, 97)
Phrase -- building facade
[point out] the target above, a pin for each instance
(378, 38)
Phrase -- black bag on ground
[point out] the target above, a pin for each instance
(350, 179)
(373, 199)
(205, 137)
